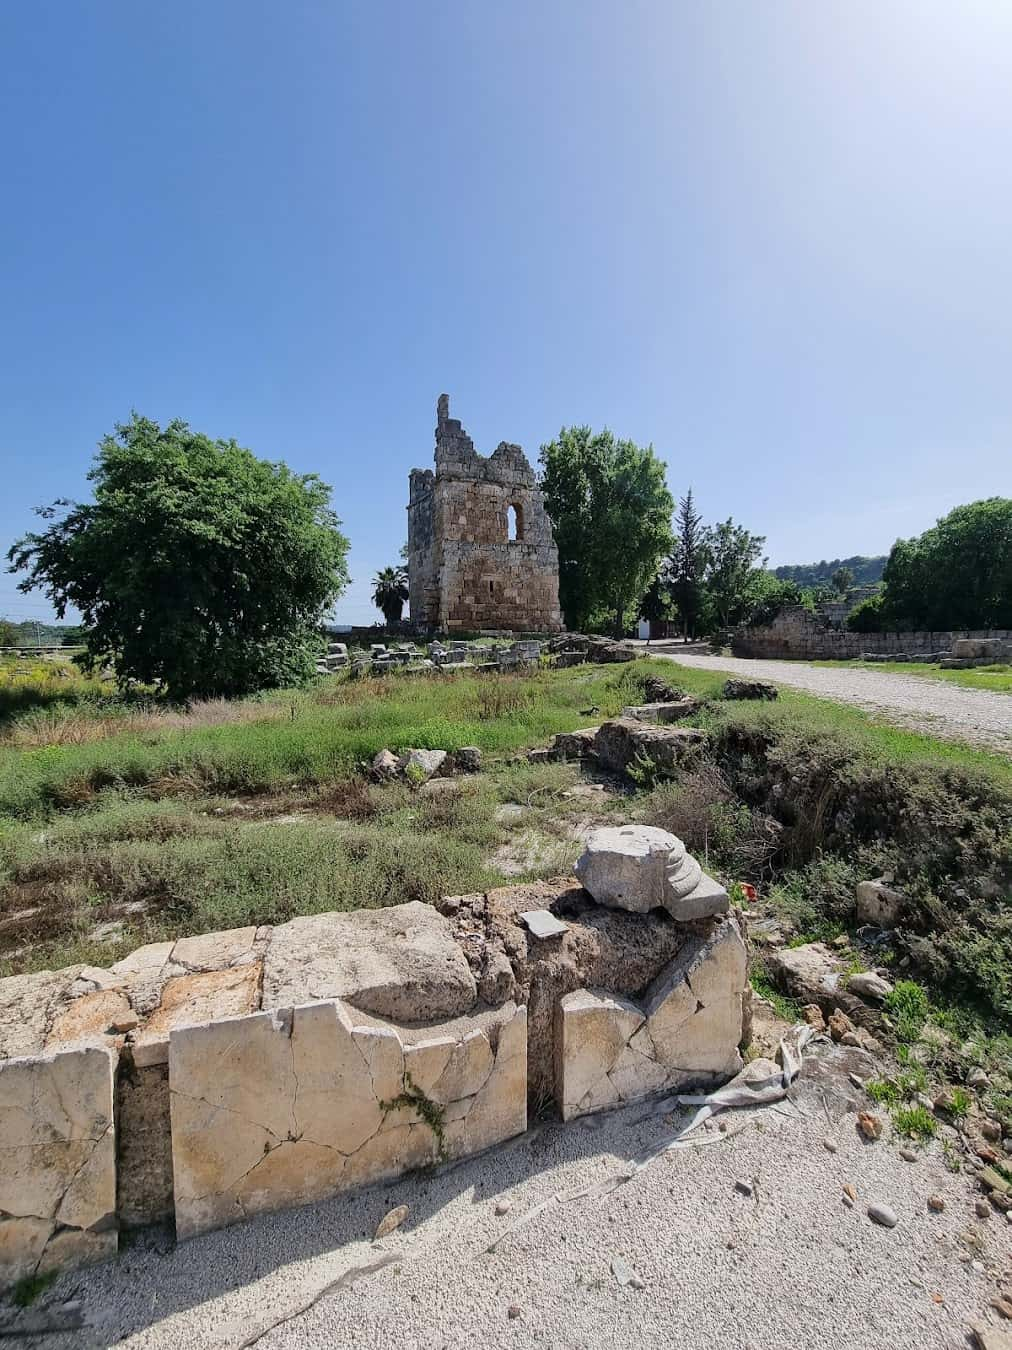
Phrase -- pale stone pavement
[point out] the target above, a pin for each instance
(941, 709)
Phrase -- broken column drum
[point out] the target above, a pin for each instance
(481, 554)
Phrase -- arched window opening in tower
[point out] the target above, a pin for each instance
(514, 524)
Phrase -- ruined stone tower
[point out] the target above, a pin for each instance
(480, 547)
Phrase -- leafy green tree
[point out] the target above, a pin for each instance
(732, 571)
(958, 574)
(842, 579)
(390, 591)
(657, 603)
(687, 565)
(611, 514)
(7, 633)
(768, 595)
(867, 616)
(197, 568)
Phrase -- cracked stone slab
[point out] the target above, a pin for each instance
(57, 1160)
(610, 1050)
(188, 1000)
(288, 1107)
(29, 1005)
(401, 962)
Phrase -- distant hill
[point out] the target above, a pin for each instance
(29, 634)
(866, 571)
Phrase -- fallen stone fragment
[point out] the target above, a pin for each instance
(663, 714)
(982, 1209)
(750, 689)
(543, 923)
(467, 759)
(503, 1206)
(990, 1338)
(513, 1312)
(830, 1145)
(743, 1187)
(869, 985)
(883, 1215)
(936, 1204)
(810, 973)
(850, 1190)
(384, 764)
(991, 1130)
(877, 904)
(870, 1126)
(978, 1080)
(812, 1014)
(1003, 1307)
(641, 867)
(391, 1222)
(908, 1155)
(840, 1024)
(421, 765)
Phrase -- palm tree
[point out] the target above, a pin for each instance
(390, 590)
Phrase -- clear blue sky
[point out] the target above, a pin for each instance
(774, 239)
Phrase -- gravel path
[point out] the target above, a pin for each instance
(935, 706)
(788, 1266)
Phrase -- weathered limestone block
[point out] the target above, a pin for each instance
(421, 764)
(877, 903)
(57, 1161)
(618, 743)
(610, 1050)
(662, 713)
(285, 1108)
(574, 744)
(30, 1005)
(641, 867)
(400, 962)
(751, 689)
(188, 1000)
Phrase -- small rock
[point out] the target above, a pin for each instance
(977, 1079)
(126, 1022)
(991, 1130)
(982, 1209)
(848, 1202)
(850, 1190)
(513, 1311)
(503, 1206)
(830, 1145)
(870, 1126)
(1003, 1307)
(936, 1204)
(851, 1038)
(467, 759)
(869, 985)
(743, 1187)
(882, 1214)
(839, 1024)
(908, 1155)
(812, 1014)
(391, 1222)
(624, 1273)
(384, 765)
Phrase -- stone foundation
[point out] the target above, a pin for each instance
(233, 1073)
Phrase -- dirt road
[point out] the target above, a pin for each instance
(934, 706)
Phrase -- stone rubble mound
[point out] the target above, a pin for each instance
(751, 689)
(571, 649)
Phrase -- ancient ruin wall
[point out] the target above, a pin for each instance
(481, 553)
(796, 634)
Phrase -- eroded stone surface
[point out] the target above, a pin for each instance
(610, 1050)
(188, 1000)
(641, 867)
(400, 962)
(57, 1159)
(664, 748)
(284, 1108)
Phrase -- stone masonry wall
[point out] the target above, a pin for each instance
(796, 634)
(227, 1074)
(464, 570)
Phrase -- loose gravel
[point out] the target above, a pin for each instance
(777, 1263)
(933, 706)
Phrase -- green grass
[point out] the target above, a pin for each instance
(997, 678)
(914, 1122)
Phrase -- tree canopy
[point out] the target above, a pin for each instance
(611, 513)
(958, 574)
(197, 568)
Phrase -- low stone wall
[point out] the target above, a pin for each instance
(220, 1076)
(797, 635)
